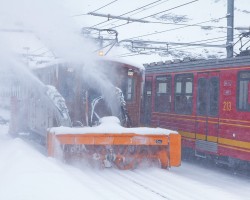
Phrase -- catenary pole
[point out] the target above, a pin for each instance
(230, 28)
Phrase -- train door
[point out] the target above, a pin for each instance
(147, 104)
(207, 115)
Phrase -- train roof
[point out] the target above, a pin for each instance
(194, 65)
(123, 61)
(58, 61)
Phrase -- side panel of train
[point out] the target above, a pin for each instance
(209, 107)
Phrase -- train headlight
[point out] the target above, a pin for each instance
(130, 72)
(100, 53)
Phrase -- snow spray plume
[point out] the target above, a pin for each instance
(50, 22)
(99, 79)
(16, 78)
(16, 71)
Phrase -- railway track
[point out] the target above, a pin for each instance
(146, 187)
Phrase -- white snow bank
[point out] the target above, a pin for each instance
(4, 113)
(4, 116)
(28, 175)
(110, 125)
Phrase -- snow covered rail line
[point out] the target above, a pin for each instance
(145, 187)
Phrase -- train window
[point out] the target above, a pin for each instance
(163, 94)
(243, 103)
(208, 96)
(129, 89)
(202, 97)
(147, 104)
(189, 87)
(67, 85)
(178, 87)
(183, 93)
(148, 88)
(214, 96)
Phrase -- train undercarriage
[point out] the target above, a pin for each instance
(227, 162)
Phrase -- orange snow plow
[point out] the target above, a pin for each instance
(126, 149)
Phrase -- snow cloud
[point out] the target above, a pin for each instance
(50, 22)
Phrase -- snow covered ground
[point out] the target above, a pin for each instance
(27, 174)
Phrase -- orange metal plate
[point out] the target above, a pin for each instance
(112, 139)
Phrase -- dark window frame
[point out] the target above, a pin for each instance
(166, 108)
(216, 111)
(147, 101)
(200, 97)
(238, 91)
(183, 105)
(126, 93)
(209, 94)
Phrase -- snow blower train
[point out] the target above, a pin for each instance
(206, 101)
(92, 113)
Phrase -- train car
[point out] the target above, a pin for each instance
(103, 88)
(67, 109)
(207, 102)
(97, 86)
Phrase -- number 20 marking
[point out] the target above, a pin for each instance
(227, 106)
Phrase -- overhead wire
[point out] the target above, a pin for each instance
(208, 39)
(219, 39)
(154, 33)
(190, 46)
(180, 47)
(211, 40)
(158, 13)
(149, 7)
(131, 12)
(161, 2)
(127, 13)
(184, 46)
(131, 54)
(96, 9)
(105, 5)
(183, 24)
(190, 2)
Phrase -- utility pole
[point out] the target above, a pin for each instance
(230, 28)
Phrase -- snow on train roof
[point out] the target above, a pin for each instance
(95, 58)
(119, 60)
(110, 125)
